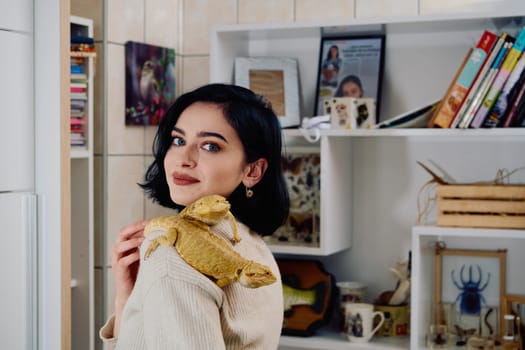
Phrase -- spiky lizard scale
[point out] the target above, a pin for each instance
(189, 232)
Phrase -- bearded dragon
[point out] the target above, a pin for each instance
(189, 232)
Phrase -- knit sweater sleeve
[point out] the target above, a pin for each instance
(164, 308)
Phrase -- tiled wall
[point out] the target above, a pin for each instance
(121, 152)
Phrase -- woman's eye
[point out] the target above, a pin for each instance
(211, 147)
(178, 141)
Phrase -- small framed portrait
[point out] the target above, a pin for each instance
(350, 66)
(150, 82)
(277, 79)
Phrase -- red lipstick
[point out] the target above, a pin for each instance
(183, 179)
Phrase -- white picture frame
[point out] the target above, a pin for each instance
(275, 78)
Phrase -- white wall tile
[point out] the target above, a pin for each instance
(125, 199)
(149, 136)
(152, 209)
(196, 72)
(122, 139)
(430, 7)
(162, 22)
(385, 8)
(257, 11)
(16, 15)
(199, 17)
(125, 20)
(315, 10)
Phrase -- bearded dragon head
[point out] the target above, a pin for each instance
(255, 275)
(209, 209)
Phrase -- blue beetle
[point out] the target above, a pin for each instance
(471, 297)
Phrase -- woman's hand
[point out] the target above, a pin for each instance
(125, 260)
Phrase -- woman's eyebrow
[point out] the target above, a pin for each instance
(212, 134)
(180, 131)
(202, 134)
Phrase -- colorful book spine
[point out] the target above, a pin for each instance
(460, 115)
(453, 100)
(512, 114)
(503, 74)
(496, 114)
(430, 123)
(484, 88)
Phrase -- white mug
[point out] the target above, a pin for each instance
(359, 318)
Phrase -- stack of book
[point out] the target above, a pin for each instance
(489, 86)
(82, 49)
(78, 109)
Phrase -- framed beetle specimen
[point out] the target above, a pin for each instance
(472, 284)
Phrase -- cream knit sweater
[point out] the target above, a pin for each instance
(173, 306)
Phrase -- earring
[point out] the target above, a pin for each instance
(249, 192)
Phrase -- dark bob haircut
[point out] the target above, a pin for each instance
(260, 133)
(348, 79)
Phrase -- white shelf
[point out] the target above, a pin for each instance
(415, 132)
(79, 153)
(370, 181)
(331, 340)
(483, 233)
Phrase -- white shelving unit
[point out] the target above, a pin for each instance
(82, 228)
(370, 181)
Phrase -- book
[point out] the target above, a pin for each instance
(514, 97)
(512, 115)
(453, 100)
(495, 89)
(495, 117)
(449, 89)
(484, 88)
(460, 115)
(417, 118)
(508, 94)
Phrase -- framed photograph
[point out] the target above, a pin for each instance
(150, 82)
(470, 289)
(350, 66)
(277, 79)
(302, 173)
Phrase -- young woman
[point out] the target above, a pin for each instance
(218, 139)
(331, 66)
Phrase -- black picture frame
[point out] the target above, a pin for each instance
(360, 56)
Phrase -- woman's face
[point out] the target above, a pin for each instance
(333, 52)
(206, 156)
(351, 89)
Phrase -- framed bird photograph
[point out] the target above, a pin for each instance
(150, 82)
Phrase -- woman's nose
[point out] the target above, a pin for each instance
(188, 157)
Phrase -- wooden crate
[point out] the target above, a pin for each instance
(489, 206)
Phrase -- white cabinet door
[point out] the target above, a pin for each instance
(17, 136)
(18, 271)
(16, 15)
